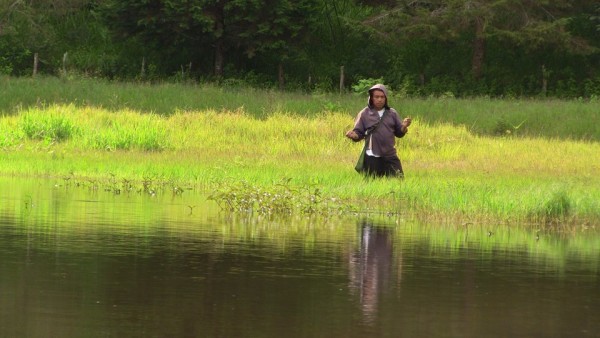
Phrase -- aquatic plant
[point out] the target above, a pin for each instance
(280, 199)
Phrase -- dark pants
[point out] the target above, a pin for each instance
(383, 166)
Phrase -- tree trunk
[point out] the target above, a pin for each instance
(478, 49)
(219, 57)
(219, 44)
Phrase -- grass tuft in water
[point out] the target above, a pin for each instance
(557, 207)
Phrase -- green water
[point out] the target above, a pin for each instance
(87, 262)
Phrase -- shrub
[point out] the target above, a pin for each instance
(363, 85)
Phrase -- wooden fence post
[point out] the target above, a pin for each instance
(143, 71)
(35, 64)
(281, 76)
(64, 63)
(545, 75)
(342, 79)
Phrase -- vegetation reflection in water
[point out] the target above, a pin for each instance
(75, 212)
(84, 248)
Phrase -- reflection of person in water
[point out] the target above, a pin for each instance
(371, 267)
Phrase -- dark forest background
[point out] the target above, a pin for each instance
(462, 48)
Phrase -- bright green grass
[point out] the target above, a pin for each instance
(450, 172)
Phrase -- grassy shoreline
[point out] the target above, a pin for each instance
(452, 174)
(473, 160)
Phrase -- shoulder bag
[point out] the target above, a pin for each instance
(360, 164)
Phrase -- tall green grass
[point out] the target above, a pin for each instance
(574, 119)
(450, 172)
(162, 98)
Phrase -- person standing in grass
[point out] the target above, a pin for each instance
(379, 125)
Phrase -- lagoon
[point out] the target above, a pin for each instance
(85, 261)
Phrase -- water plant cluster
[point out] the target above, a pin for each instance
(117, 186)
(279, 199)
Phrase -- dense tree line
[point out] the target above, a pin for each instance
(432, 47)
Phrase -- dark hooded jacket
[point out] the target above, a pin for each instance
(382, 141)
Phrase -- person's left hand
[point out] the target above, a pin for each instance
(351, 134)
(406, 122)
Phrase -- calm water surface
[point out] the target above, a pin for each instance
(78, 262)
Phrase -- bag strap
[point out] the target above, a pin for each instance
(371, 129)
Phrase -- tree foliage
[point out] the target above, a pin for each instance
(530, 25)
(190, 30)
(466, 47)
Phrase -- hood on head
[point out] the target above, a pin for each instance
(381, 87)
